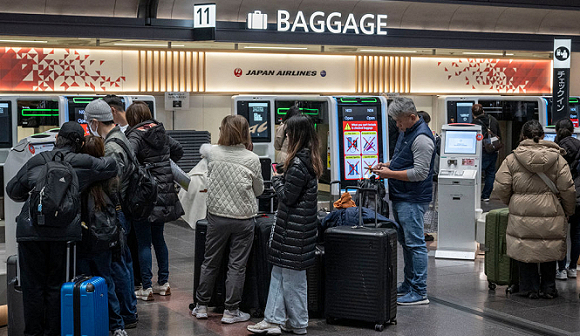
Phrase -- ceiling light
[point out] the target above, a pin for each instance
(486, 53)
(284, 48)
(389, 51)
(147, 45)
(24, 41)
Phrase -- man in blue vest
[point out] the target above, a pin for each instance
(410, 174)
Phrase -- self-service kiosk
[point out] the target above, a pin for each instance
(459, 191)
(17, 157)
(353, 130)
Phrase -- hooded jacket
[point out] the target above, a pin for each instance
(537, 223)
(572, 156)
(293, 240)
(124, 166)
(88, 169)
(153, 146)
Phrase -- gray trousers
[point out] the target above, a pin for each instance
(240, 235)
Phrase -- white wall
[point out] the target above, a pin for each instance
(205, 114)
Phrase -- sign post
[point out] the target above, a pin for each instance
(561, 81)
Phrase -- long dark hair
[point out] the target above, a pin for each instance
(532, 130)
(95, 146)
(293, 111)
(301, 134)
(564, 128)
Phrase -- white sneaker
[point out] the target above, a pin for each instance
(145, 294)
(572, 273)
(297, 331)
(200, 311)
(162, 290)
(265, 328)
(120, 332)
(561, 275)
(233, 316)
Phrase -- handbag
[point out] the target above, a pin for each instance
(491, 143)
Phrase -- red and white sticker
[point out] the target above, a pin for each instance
(479, 137)
(31, 149)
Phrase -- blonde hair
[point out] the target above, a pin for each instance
(235, 130)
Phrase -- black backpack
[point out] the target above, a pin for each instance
(141, 193)
(101, 228)
(370, 198)
(55, 198)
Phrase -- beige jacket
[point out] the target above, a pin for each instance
(281, 143)
(537, 223)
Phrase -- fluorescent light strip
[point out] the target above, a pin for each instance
(24, 41)
(147, 45)
(484, 53)
(389, 51)
(284, 48)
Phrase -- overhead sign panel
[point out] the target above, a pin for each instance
(561, 79)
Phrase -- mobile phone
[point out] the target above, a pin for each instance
(274, 168)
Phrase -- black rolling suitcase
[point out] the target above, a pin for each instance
(361, 273)
(14, 297)
(315, 285)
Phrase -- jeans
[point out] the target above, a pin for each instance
(42, 273)
(122, 272)
(287, 298)
(488, 162)
(240, 235)
(410, 217)
(574, 241)
(99, 264)
(152, 233)
(533, 281)
(134, 248)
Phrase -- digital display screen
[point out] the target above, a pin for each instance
(5, 125)
(464, 112)
(360, 141)
(258, 117)
(35, 113)
(460, 142)
(552, 136)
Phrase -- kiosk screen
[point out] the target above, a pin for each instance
(460, 142)
(552, 136)
(464, 112)
(76, 109)
(360, 141)
(258, 115)
(5, 125)
(574, 104)
(313, 108)
(35, 113)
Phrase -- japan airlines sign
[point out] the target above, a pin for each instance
(319, 22)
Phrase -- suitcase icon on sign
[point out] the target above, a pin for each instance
(257, 20)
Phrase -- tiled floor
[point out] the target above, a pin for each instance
(461, 304)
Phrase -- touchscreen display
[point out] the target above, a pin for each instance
(464, 112)
(360, 141)
(460, 142)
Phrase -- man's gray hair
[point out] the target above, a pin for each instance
(401, 107)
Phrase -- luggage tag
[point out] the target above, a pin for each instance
(40, 217)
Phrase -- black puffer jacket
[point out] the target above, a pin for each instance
(153, 146)
(572, 147)
(88, 169)
(293, 242)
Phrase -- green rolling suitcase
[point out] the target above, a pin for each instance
(499, 268)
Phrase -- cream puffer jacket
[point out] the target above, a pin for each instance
(537, 223)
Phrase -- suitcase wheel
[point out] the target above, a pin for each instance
(393, 322)
(379, 327)
(191, 306)
(491, 285)
(512, 289)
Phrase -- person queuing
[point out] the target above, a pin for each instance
(410, 174)
(100, 118)
(293, 240)
(118, 111)
(234, 182)
(488, 159)
(99, 201)
(281, 139)
(531, 181)
(564, 131)
(154, 147)
(42, 249)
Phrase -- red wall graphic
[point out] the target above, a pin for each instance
(42, 69)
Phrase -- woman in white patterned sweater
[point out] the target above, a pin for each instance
(234, 182)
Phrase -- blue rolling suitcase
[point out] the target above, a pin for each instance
(84, 304)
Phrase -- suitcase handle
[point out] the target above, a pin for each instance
(359, 197)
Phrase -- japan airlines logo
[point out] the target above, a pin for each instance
(237, 72)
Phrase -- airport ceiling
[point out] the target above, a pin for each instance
(557, 17)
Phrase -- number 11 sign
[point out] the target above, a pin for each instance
(204, 15)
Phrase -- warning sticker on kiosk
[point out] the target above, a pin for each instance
(361, 148)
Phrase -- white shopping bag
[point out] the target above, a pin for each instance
(257, 20)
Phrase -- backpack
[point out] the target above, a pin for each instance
(369, 198)
(141, 193)
(55, 198)
(102, 226)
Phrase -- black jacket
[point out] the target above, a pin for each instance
(153, 146)
(88, 169)
(572, 147)
(487, 121)
(293, 241)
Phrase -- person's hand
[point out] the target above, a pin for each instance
(381, 165)
(383, 172)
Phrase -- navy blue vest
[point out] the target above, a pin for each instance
(403, 191)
